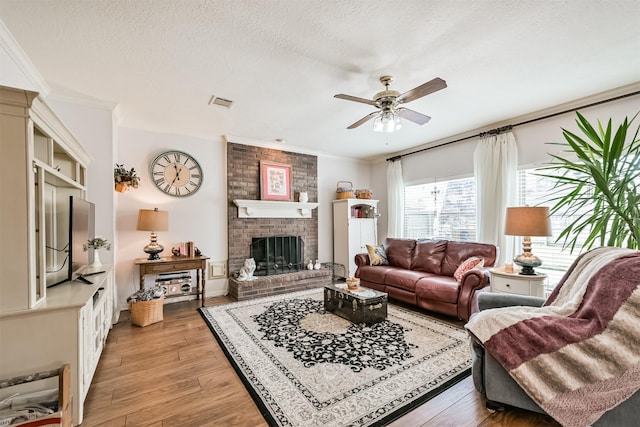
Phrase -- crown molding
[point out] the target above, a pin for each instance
(285, 147)
(266, 144)
(18, 55)
(81, 100)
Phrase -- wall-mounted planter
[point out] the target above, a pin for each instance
(121, 187)
(273, 209)
(124, 178)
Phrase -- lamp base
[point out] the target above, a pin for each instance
(153, 250)
(527, 271)
(527, 262)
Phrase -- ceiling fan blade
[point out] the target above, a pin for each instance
(355, 98)
(363, 120)
(414, 116)
(423, 90)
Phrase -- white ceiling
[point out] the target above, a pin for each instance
(281, 62)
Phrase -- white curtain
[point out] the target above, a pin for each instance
(496, 171)
(395, 196)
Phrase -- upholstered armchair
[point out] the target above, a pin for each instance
(520, 342)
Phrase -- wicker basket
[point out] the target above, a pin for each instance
(144, 313)
(344, 194)
(364, 194)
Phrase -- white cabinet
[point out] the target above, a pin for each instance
(516, 283)
(42, 165)
(70, 326)
(355, 225)
(43, 328)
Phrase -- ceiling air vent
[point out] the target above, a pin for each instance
(221, 102)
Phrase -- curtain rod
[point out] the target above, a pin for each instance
(509, 127)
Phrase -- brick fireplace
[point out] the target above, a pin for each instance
(243, 182)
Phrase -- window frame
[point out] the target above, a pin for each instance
(433, 233)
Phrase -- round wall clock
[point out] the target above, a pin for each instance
(176, 173)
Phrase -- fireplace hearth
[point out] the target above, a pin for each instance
(277, 254)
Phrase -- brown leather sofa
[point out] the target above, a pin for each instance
(420, 272)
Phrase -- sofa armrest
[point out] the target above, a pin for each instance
(361, 260)
(487, 300)
(472, 281)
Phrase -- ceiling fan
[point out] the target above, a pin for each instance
(388, 102)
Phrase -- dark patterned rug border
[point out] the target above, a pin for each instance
(262, 407)
(245, 372)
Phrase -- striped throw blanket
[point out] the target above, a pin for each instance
(578, 356)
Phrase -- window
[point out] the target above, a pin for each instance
(441, 210)
(535, 191)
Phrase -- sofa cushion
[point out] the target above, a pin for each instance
(400, 252)
(438, 288)
(458, 252)
(374, 273)
(468, 264)
(404, 279)
(428, 255)
(377, 255)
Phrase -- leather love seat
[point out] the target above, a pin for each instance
(421, 272)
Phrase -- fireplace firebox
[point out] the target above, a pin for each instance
(277, 254)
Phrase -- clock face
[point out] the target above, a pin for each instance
(176, 173)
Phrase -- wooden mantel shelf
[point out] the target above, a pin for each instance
(273, 209)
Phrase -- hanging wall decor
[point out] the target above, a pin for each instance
(275, 181)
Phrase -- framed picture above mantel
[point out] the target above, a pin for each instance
(275, 181)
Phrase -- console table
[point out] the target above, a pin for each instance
(171, 264)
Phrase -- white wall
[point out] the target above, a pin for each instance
(456, 160)
(201, 217)
(379, 187)
(16, 70)
(11, 75)
(330, 171)
(92, 125)
(532, 138)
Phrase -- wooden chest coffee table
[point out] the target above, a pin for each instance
(366, 306)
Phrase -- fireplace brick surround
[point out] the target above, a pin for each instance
(243, 182)
(278, 284)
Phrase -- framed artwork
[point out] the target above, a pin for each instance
(275, 181)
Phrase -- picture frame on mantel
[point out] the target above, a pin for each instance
(275, 181)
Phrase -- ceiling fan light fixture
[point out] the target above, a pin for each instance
(387, 121)
(388, 117)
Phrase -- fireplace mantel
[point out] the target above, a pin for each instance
(273, 209)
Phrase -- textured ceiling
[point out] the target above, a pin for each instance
(281, 62)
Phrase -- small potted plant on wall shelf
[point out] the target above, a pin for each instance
(125, 178)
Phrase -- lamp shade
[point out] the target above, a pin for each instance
(528, 221)
(153, 220)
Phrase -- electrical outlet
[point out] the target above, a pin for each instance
(217, 269)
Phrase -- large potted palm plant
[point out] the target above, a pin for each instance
(597, 178)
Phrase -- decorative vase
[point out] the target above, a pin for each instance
(310, 265)
(96, 259)
(317, 266)
(304, 197)
(121, 187)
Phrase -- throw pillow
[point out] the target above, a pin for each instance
(377, 255)
(467, 265)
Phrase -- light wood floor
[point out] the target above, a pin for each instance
(173, 373)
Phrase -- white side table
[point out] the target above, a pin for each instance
(516, 283)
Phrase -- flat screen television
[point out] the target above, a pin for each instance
(81, 229)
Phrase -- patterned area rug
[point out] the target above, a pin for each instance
(307, 367)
